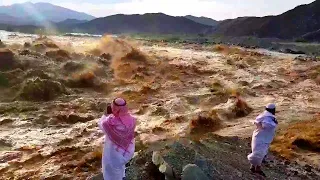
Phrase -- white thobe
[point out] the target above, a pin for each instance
(114, 159)
(262, 137)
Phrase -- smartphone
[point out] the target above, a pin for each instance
(109, 109)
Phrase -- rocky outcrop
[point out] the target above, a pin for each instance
(213, 157)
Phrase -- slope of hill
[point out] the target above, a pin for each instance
(10, 20)
(40, 12)
(291, 24)
(203, 20)
(312, 36)
(157, 23)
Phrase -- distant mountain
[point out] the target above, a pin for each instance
(155, 23)
(203, 20)
(41, 12)
(6, 19)
(289, 25)
(70, 22)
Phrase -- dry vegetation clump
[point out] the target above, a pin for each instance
(205, 122)
(300, 136)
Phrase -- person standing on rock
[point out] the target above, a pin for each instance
(262, 137)
(119, 146)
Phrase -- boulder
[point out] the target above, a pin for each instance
(142, 167)
(7, 60)
(193, 172)
(38, 89)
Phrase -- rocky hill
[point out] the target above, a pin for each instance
(156, 23)
(289, 25)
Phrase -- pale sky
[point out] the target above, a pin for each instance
(216, 9)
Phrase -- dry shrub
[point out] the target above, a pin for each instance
(205, 122)
(299, 136)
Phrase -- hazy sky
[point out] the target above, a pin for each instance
(216, 9)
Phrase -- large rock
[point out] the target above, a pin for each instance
(7, 60)
(37, 89)
(193, 172)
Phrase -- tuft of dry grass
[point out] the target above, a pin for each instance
(300, 136)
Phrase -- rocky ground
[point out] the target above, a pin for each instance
(53, 90)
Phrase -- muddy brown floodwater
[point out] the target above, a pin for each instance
(52, 97)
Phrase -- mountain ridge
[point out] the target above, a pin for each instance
(203, 20)
(40, 13)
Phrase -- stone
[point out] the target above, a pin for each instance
(193, 172)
